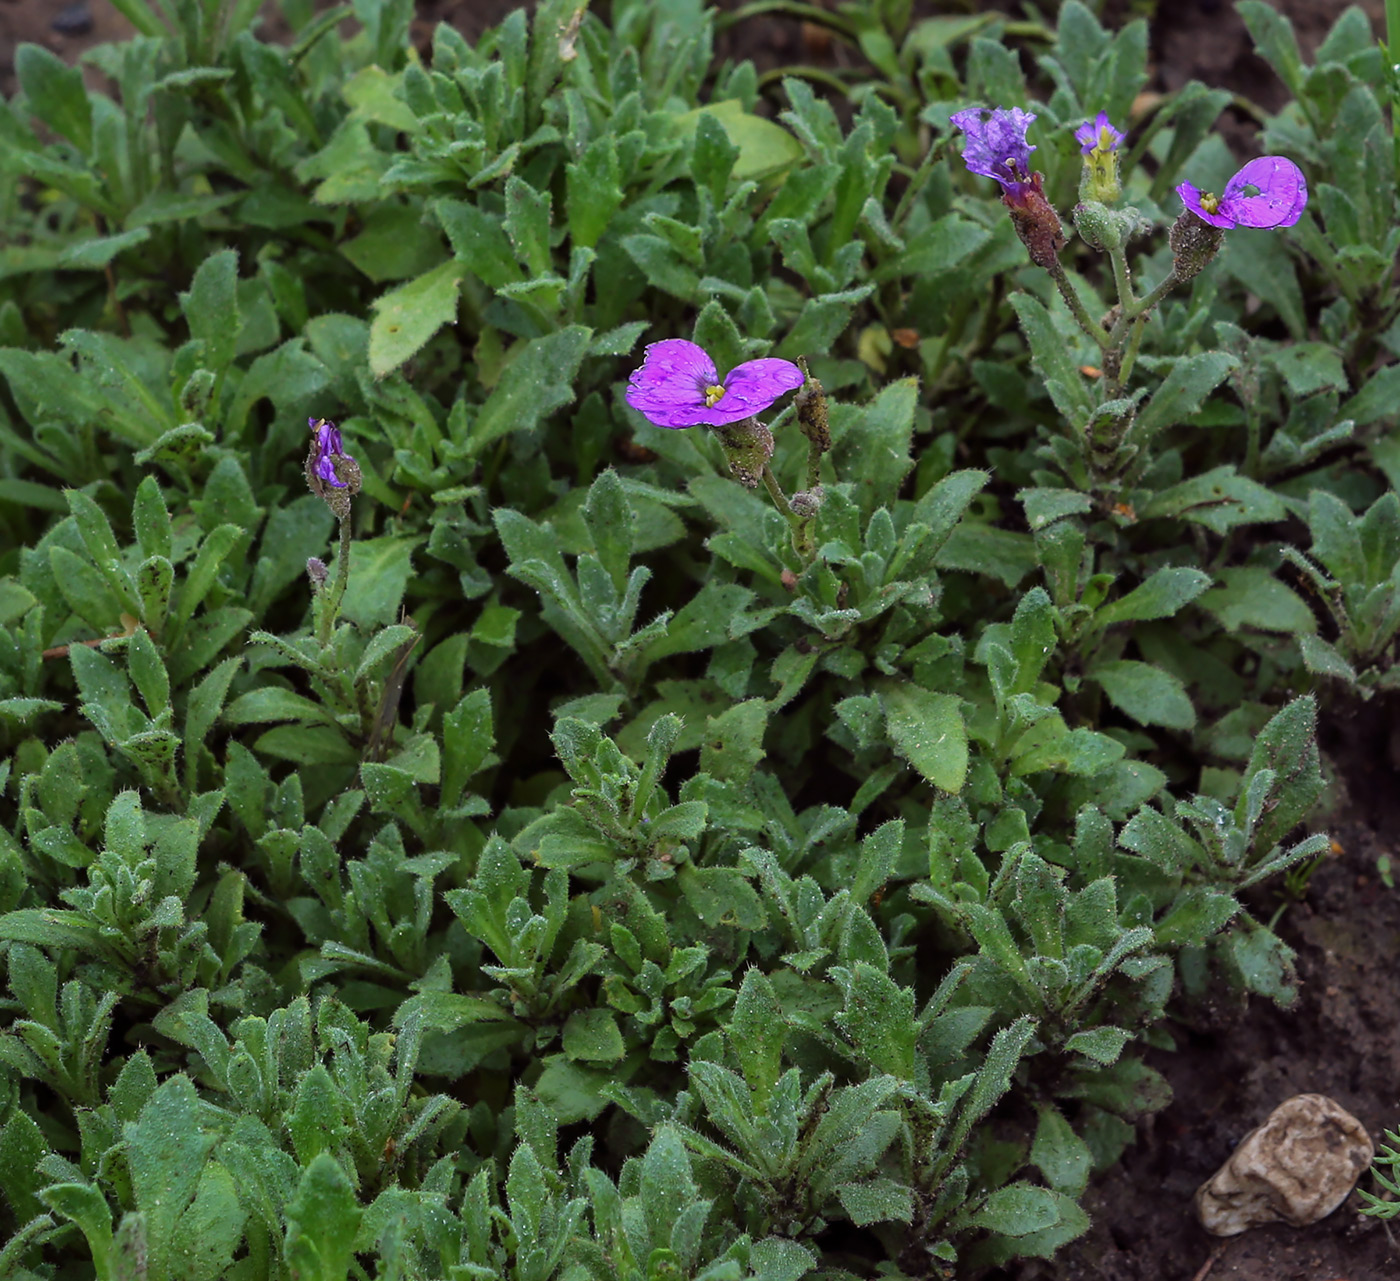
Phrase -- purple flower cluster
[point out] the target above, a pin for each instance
(1270, 191)
(678, 386)
(996, 144)
(327, 446)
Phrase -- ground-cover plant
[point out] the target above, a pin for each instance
(477, 802)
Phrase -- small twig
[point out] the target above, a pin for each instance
(129, 626)
(1210, 1262)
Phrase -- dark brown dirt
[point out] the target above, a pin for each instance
(1233, 1063)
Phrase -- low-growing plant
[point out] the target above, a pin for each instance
(595, 833)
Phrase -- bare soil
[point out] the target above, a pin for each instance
(1234, 1062)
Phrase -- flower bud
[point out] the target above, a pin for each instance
(811, 412)
(1099, 141)
(807, 502)
(1193, 243)
(316, 570)
(747, 445)
(1036, 222)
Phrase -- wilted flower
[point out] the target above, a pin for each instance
(331, 473)
(678, 386)
(1269, 191)
(996, 144)
(327, 447)
(1098, 135)
(997, 148)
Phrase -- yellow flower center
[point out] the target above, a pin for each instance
(713, 394)
(1210, 202)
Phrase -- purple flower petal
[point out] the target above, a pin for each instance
(751, 387)
(1192, 197)
(669, 389)
(1098, 133)
(1282, 193)
(996, 143)
(678, 386)
(328, 446)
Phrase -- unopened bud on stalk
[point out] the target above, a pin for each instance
(810, 403)
(747, 445)
(1099, 142)
(1193, 243)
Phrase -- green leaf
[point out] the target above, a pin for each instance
(379, 572)
(878, 1016)
(721, 896)
(406, 317)
(85, 1205)
(479, 242)
(756, 1034)
(395, 243)
(152, 519)
(1148, 694)
(1016, 1210)
(211, 1229)
(1219, 500)
(1059, 1153)
(1162, 595)
(765, 148)
(321, 1222)
(1054, 358)
(1322, 659)
(927, 729)
(1191, 380)
(592, 1036)
(877, 447)
(539, 380)
(1263, 961)
(166, 1148)
(1274, 41)
(593, 192)
(876, 1201)
(211, 308)
(1078, 751)
(56, 94)
(1250, 596)
(97, 253)
(1102, 1044)
(733, 742)
(977, 548)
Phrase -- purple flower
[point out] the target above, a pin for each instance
(1279, 194)
(328, 446)
(678, 386)
(996, 144)
(1098, 134)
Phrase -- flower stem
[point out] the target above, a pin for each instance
(330, 600)
(1129, 356)
(1122, 278)
(802, 541)
(1077, 309)
(916, 185)
(1144, 305)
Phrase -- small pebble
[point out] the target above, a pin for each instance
(1297, 1168)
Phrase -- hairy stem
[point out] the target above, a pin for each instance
(330, 600)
